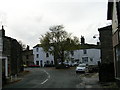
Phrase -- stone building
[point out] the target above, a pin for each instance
(114, 15)
(1, 45)
(107, 63)
(27, 56)
(11, 56)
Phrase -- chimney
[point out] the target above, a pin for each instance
(82, 40)
(28, 48)
(2, 32)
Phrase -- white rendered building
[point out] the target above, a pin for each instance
(40, 57)
(88, 56)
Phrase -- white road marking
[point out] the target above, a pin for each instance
(44, 81)
(47, 77)
(47, 74)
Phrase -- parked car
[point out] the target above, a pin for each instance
(24, 65)
(49, 65)
(81, 68)
(75, 64)
(62, 66)
(34, 66)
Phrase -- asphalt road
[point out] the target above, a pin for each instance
(48, 78)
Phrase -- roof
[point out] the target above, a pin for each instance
(81, 46)
(105, 28)
(28, 50)
(38, 45)
(89, 46)
(9, 38)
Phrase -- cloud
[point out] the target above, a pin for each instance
(28, 19)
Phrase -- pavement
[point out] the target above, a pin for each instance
(17, 78)
(91, 80)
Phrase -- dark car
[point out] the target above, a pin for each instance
(49, 65)
(62, 66)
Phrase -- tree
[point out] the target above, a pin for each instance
(22, 45)
(57, 41)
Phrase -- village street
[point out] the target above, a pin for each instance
(48, 78)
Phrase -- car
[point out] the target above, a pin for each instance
(34, 66)
(49, 65)
(75, 64)
(81, 68)
(62, 66)
(24, 65)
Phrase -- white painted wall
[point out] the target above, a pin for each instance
(93, 54)
(42, 56)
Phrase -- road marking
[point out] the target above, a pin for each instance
(44, 81)
(47, 73)
(47, 78)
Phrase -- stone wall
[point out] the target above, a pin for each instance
(106, 72)
(106, 44)
(0, 73)
(13, 50)
(27, 56)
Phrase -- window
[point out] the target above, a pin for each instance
(47, 55)
(84, 51)
(84, 59)
(72, 53)
(27, 62)
(37, 55)
(91, 59)
(47, 62)
(37, 49)
(1, 44)
(27, 57)
(51, 62)
(117, 61)
(77, 60)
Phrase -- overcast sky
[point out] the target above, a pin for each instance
(27, 20)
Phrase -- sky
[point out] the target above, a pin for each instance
(27, 20)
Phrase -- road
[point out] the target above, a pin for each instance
(48, 78)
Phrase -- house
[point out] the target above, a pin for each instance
(11, 56)
(27, 56)
(1, 47)
(40, 57)
(114, 15)
(89, 56)
(88, 53)
(106, 69)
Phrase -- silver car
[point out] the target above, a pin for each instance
(81, 68)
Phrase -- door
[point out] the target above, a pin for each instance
(37, 62)
(41, 63)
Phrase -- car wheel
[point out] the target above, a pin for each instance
(76, 71)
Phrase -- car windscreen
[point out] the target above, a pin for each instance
(81, 65)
